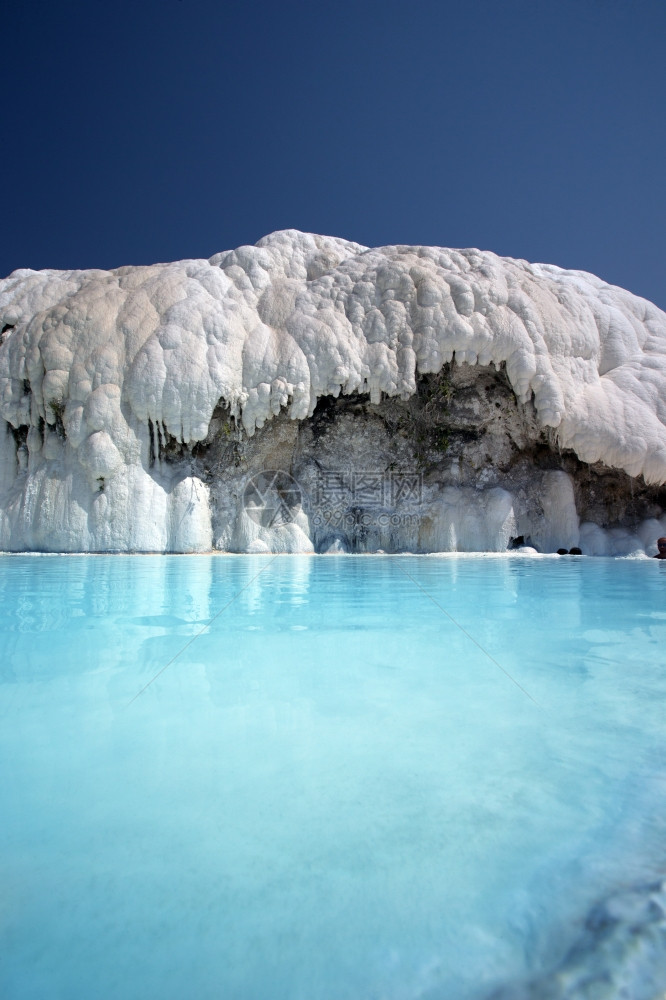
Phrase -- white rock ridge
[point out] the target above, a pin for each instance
(98, 368)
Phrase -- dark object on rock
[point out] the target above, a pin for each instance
(575, 551)
(563, 552)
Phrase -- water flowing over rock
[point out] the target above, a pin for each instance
(621, 953)
(310, 394)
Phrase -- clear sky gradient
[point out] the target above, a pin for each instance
(161, 129)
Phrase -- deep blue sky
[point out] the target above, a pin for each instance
(147, 131)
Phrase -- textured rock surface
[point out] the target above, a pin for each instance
(621, 954)
(420, 399)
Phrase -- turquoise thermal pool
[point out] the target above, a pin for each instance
(321, 778)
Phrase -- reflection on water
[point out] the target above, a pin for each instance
(326, 788)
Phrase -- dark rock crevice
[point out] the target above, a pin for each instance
(463, 428)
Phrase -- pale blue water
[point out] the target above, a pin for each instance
(332, 793)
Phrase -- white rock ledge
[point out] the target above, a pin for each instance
(100, 369)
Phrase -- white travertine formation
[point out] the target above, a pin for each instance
(95, 366)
